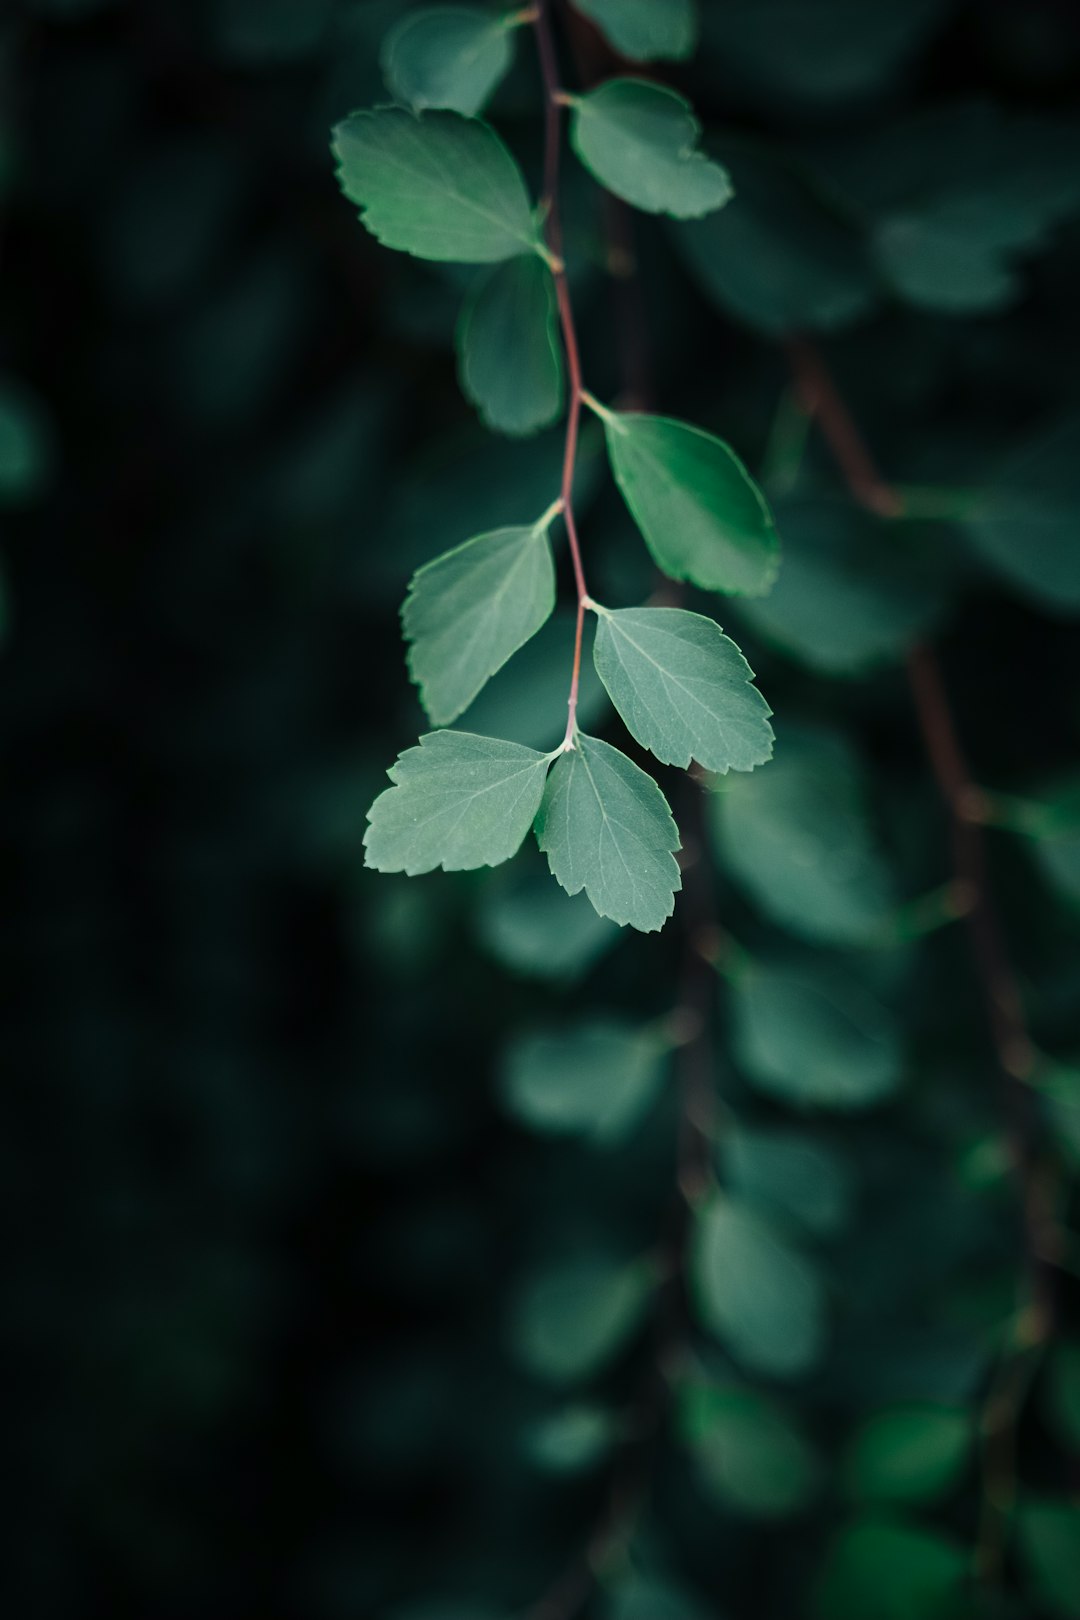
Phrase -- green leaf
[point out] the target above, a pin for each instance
(450, 57)
(469, 611)
(781, 260)
(573, 1439)
(509, 355)
(758, 1294)
(605, 827)
(909, 1454)
(701, 514)
(645, 30)
(849, 596)
(1027, 522)
(1049, 1538)
(954, 194)
(814, 1039)
(533, 928)
(25, 446)
(1060, 1089)
(796, 837)
(815, 51)
(894, 1572)
(1062, 1393)
(458, 801)
(639, 140)
(635, 1596)
(572, 1318)
(595, 1081)
(435, 184)
(749, 1455)
(785, 1174)
(683, 688)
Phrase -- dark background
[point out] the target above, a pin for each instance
(263, 1210)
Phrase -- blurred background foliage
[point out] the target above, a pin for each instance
(348, 1272)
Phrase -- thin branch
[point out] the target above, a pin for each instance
(553, 104)
(968, 810)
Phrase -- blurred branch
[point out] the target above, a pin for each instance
(967, 807)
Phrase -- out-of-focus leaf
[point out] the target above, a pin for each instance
(849, 596)
(787, 1174)
(815, 50)
(595, 1080)
(749, 1454)
(760, 1296)
(25, 445)
(645, 30)
(797, 838)
(1049, 1536)
(451, 57)
(955, 195)
(1027, 519)
(572, 1318)
(1062, 1392)
(649, 1597)
(909, 1454)
(533, 927)
(813, 1038)
(572, 1440)
(781, 258)
(895, 1571)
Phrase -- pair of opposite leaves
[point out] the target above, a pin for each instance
(460, 801)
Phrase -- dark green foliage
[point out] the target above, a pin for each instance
(435, 1247)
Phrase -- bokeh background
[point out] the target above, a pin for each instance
(278, 1223)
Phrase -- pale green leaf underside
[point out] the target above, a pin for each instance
(606, 828)
(639, 140)
(449, 57)
(701, 514)
(683, 688)
(436, 184)
(458, 801)
(469, 611)
(509, 357)
(645, 30)
(756, 1293)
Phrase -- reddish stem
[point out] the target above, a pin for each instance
(552, 146)
(966, 804)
